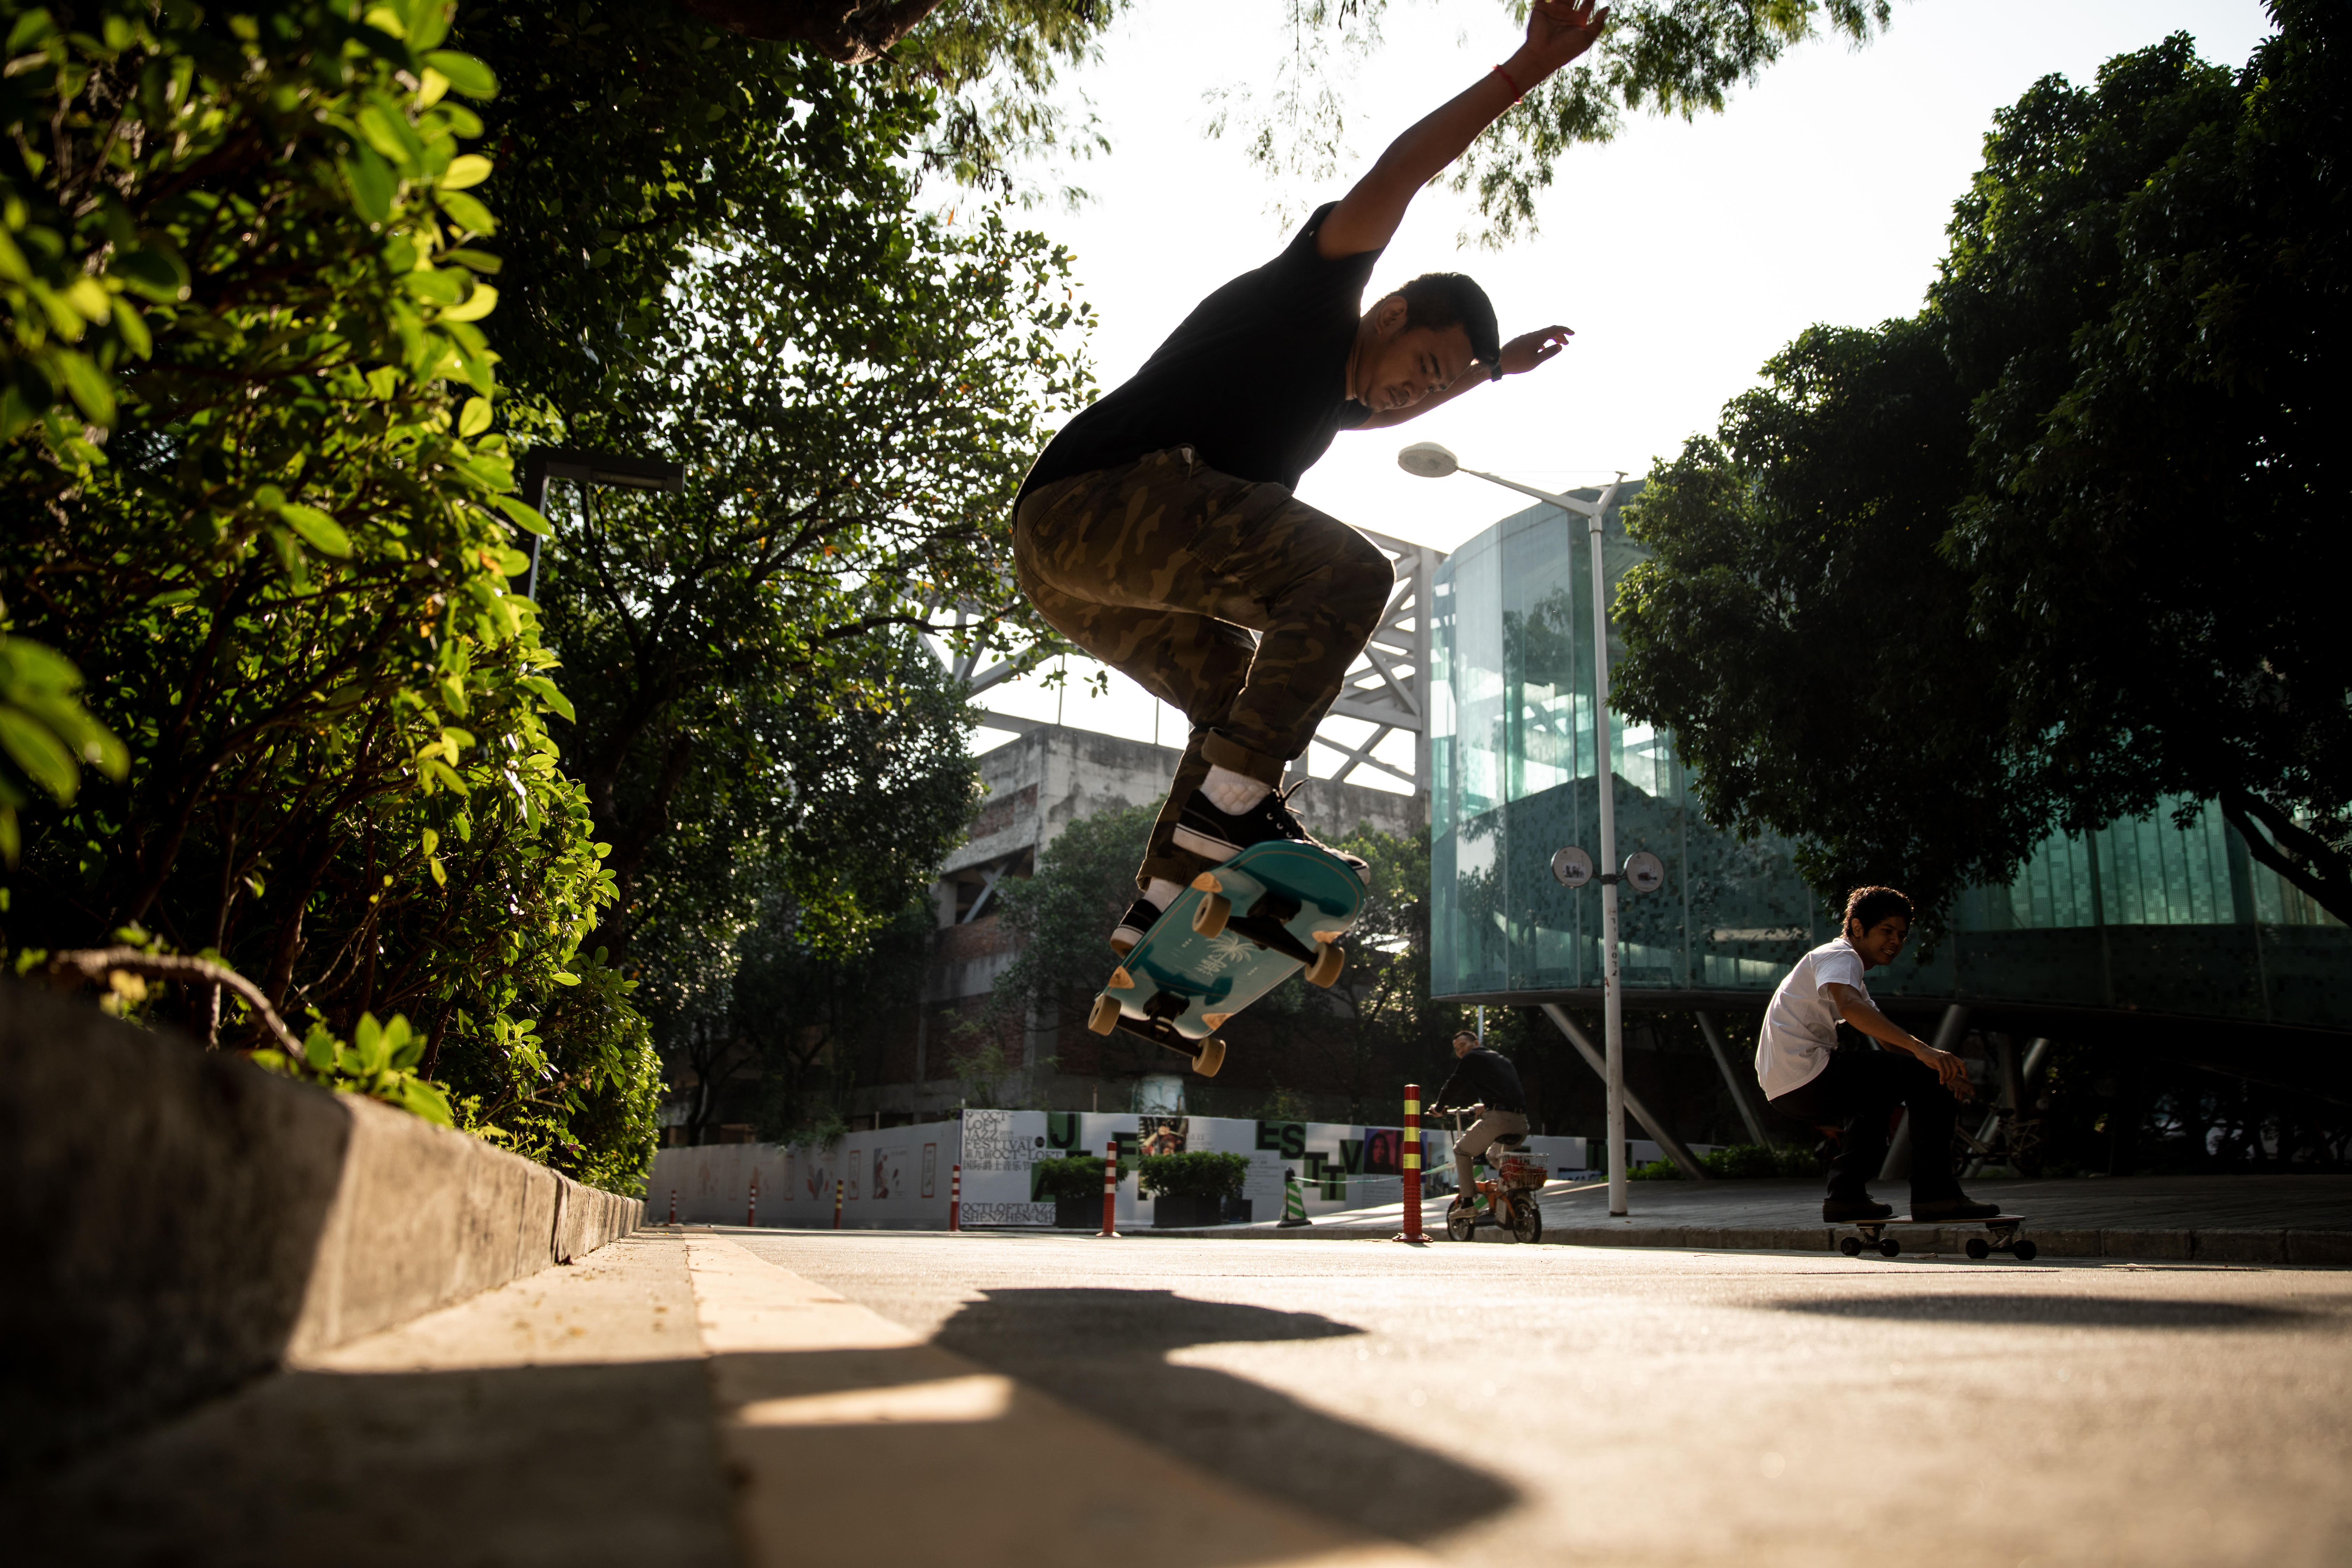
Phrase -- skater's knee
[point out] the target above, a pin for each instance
(1361, 580)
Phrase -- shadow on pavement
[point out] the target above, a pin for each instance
(571, 1467)
(2065, 1311)
(1104, 1352)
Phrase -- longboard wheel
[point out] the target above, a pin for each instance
(1890, 1247)
(1979, 1249)
(1212, 1057)
(1210, 918)
(2024, 1251)
(1328, 962)
(1105, 1017)
(1851, 1245)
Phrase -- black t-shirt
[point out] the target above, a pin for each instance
(1483, 1077)
(1256, 379)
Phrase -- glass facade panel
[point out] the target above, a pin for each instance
(2148, 915)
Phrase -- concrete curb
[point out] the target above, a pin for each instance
(185, 1222)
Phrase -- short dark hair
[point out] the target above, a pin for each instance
(1872, 905)
(1443, 300)
(1463, 1035)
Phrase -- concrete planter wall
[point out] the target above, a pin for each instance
(182, 1222)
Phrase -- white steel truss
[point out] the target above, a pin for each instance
(1388, 685)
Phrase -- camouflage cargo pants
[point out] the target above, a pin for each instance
(1163, 567)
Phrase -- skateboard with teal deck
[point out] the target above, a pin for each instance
(2000, 1235)
(1233, 935)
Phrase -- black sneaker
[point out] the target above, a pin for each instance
(1133, 926)
(1957, 1206)
(1846, 1211)
(1204, 830)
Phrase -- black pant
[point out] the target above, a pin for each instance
(1857, 1090)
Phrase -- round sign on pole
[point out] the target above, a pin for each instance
(1644, 872)
(1571, 867)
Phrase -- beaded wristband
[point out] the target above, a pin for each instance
(1515, 94)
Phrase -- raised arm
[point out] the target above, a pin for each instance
(1557, 31)
(1521, 354)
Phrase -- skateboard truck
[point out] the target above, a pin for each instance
(1207, 1054)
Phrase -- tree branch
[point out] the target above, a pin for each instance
(96, 963)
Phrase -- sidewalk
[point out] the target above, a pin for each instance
(671, 1399)
(2214, 1219)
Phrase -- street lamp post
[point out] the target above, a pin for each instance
(584, 468)
(1428, 460)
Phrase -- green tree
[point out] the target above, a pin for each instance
(2016, 564)
(1060, 919)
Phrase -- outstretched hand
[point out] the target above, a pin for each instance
(1528, 350)
(1560, 30)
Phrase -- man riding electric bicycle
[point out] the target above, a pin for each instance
(1490, 1085)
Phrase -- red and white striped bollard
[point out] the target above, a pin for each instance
(955, 1197)
(673, 1205)
(836, 1203)
(1412, 1232)
(751, 1213)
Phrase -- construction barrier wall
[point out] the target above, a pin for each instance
(895, 1178)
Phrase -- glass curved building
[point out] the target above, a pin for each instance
(2141, 919)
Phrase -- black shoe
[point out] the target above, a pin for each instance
(1958, 1206)
(1204, 830)
(1846, 1211)
(1133, 926)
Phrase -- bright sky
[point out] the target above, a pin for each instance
(1683, 255)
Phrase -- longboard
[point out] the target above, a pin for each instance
(2000, 1235)
(1233, 935)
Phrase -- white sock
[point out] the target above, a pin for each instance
(1162, 892)
(1232, 792)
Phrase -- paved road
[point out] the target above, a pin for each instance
(775, 1399)
(1571, 1404)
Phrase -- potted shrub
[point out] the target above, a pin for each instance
(1195, 1188)
(1075, 1184)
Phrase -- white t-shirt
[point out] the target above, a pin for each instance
(1800, 1025)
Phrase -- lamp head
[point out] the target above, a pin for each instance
(1427, 460)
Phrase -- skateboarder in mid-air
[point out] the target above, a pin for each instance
(1159, 529)
(1806, 1075)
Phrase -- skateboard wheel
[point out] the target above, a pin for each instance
(1851, 1245)
(2024, 1251)
(1328, 962)
(1890, 1247)
(1979, 1249)
(1210, 1058)
(1209, 919)
(1105, 1017)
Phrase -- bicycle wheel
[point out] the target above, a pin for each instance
(1526, 1220)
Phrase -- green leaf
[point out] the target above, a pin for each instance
(547, 692)
(323, 533)
(372, 183)
(466, 74)
(522, 517)
(91, 388)
(318, 1048)
(471, 215)
(475, 418)
(465, 171)
(35, 748)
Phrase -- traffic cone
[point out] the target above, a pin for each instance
(1293, 1201)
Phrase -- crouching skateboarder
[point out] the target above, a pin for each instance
(1807, 1075)
(1158, 530)
(1487, 1080)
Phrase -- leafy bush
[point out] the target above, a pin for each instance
(1072, 1176)
(1739, 1161)
(1196, 1174)
(245, 453)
